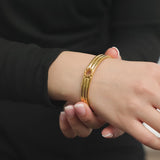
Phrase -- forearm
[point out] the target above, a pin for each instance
(65, 75)
(24, 71)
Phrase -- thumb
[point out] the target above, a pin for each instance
(111, 132)
(113, 52)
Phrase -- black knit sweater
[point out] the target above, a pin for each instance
(32, 35)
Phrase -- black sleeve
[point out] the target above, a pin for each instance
(24, 72)
(136, 29)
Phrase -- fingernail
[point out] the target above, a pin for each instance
(69, 110)
(62, 116)
(109, 135)
(117, 50)
(80, 109)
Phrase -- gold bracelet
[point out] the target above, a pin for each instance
(88, 75)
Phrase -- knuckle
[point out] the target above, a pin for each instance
(144, 87)
(85, 133)
(86, 120)
(141, 87)
(133, 105)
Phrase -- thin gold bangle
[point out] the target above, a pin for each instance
(88, 75)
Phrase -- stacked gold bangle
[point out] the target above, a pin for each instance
(88, 74)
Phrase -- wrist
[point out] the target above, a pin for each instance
(65, 75)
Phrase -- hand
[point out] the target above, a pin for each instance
(125, 94)
(79, 120)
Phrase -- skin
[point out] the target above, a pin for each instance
(123, 93)
(79, 120)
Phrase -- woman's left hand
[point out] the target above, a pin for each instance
(80, 120)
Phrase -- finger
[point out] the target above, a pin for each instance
(137, 130)
(65, 127)
(151, 130)
(87, 117)
(111, 132)
(151, 117)
(113, 52)
(77, 126)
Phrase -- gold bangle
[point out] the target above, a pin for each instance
(88, 75)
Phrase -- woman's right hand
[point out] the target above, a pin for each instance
(125, 94)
